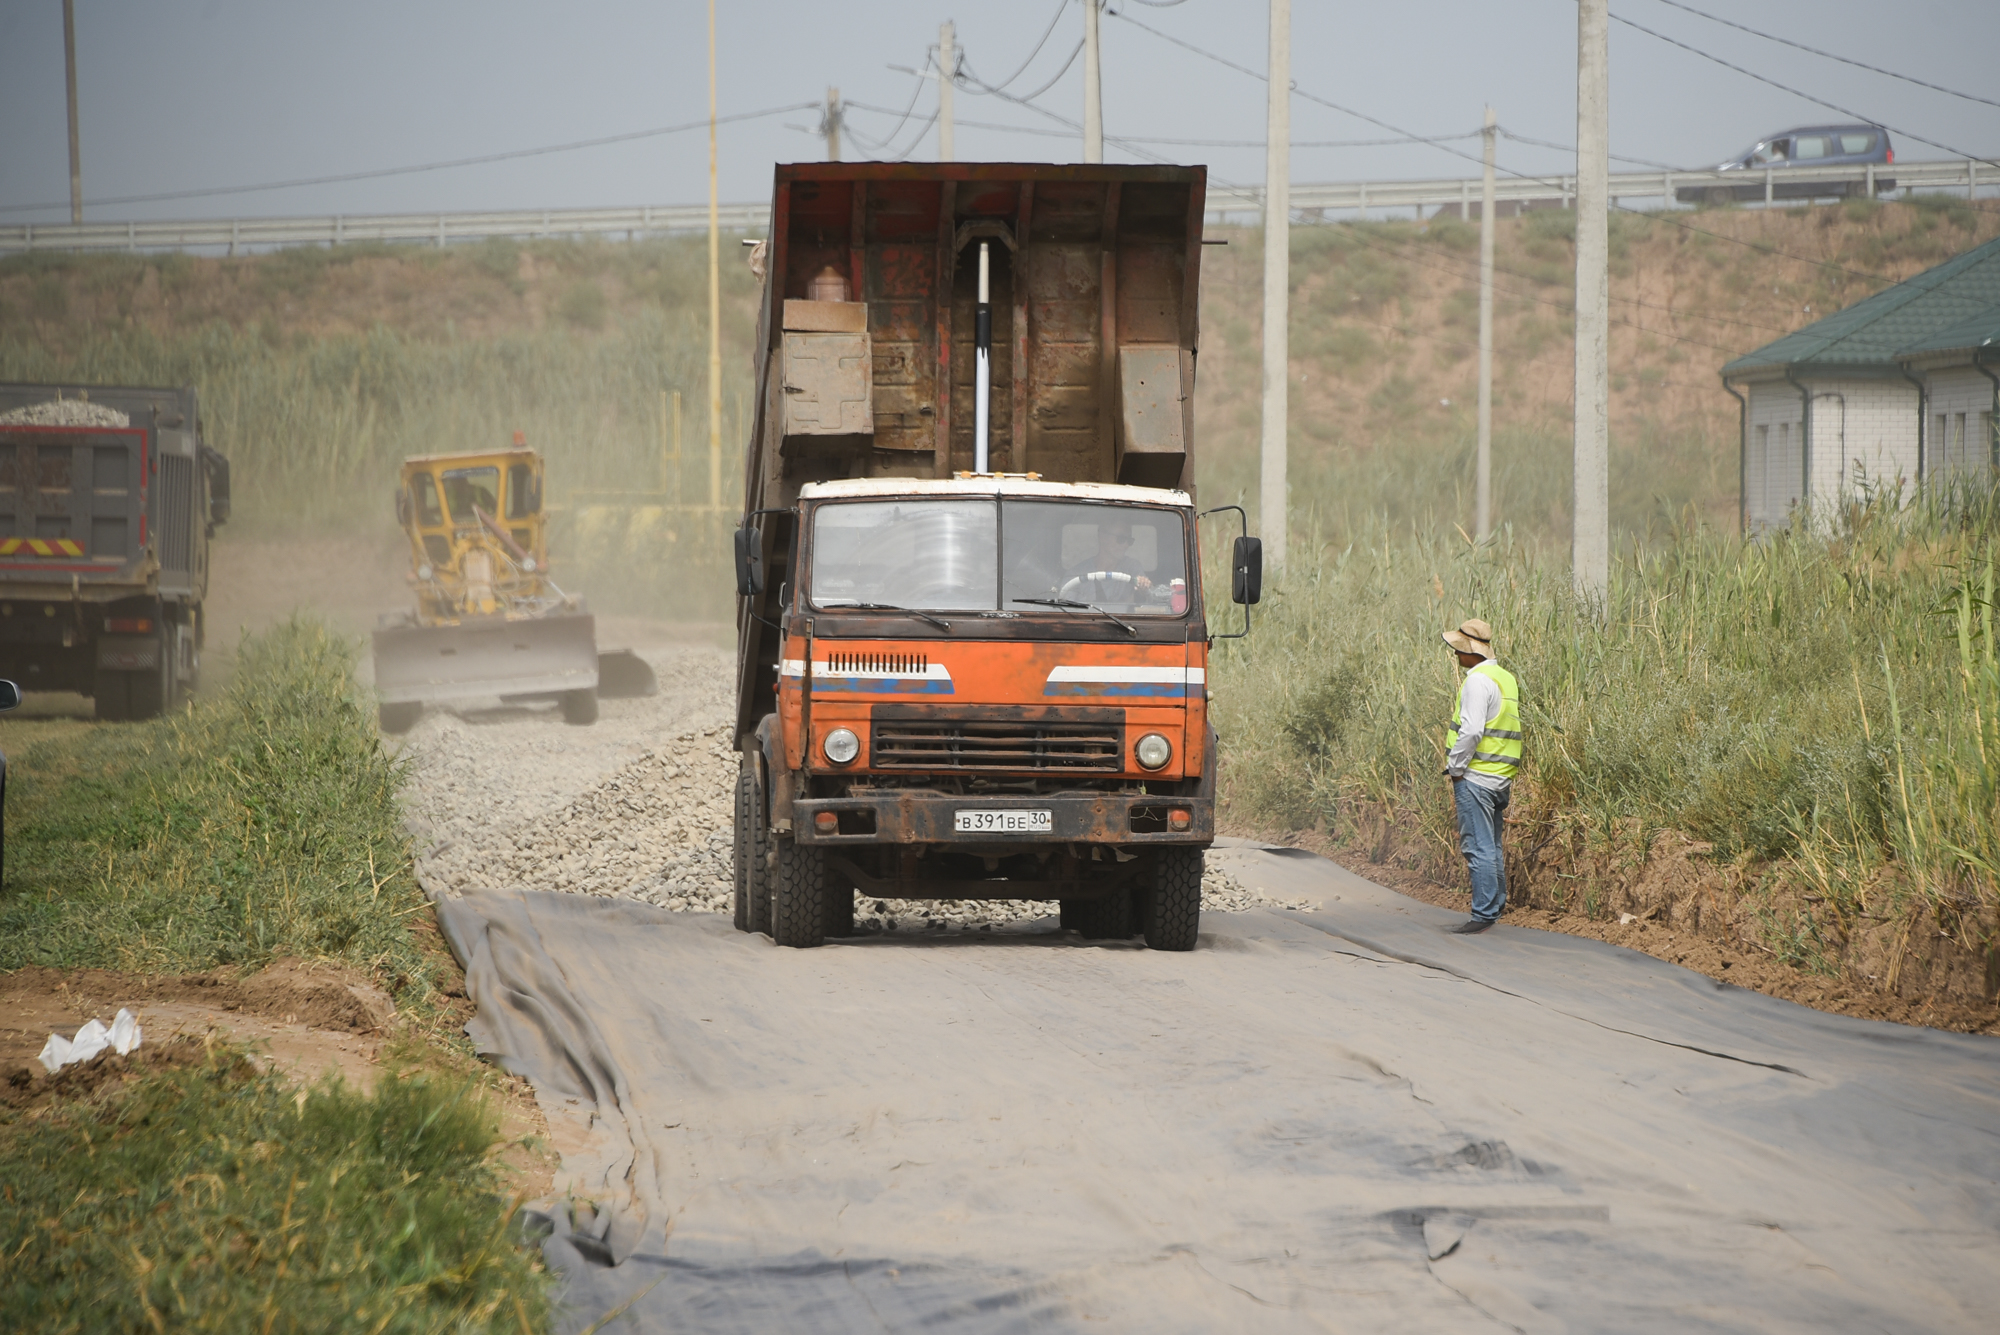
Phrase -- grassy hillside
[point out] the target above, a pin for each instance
(320, 369)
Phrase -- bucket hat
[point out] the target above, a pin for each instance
(1471, 637)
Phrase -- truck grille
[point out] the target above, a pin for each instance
(998, 744)
(877, 664)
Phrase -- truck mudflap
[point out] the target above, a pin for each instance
(540, 656)
(999, 824)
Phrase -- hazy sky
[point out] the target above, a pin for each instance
(181, 94)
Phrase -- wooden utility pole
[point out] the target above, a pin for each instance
(714, 290)
(1277, 284)
(830, 124)
(947, 67)
(1483, 488)
(1590, 545)
(75, 149)
(1093, 88)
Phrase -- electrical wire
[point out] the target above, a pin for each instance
(1557, 186)
(1813, 50)
(916, 91)
(1506, 133)
(423, 166)
(1061, 5)
(1796, 92)
(1189, 143)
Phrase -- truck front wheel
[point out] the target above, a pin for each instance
(1105, 918)
(1171, 903)
(798, 895)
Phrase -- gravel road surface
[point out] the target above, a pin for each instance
(1327, 1117)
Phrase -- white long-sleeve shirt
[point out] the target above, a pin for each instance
(1478, 705)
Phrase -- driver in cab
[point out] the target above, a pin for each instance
(1111, 575)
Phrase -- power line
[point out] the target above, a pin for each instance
(1054, 19)
(427, 166)
(916, 91)
(1506, 133)
(1801, 46)
(1795, 92)
(1190, 143)
(1557, 186)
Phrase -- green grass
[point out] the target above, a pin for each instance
(219, 1197)
(1823, 706)
(260, 822)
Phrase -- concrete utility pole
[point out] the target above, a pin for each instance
(1590, 546)
(75, 152)
(829, 124)
(947, 67)
(1483, 489)
(1093, 88)
(1277, 284)
(714, 288)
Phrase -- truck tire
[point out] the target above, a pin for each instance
(111, 696)
(399, 717)
(1721, 194)
(798, 895)
(839, 905)
(1171, 904)
(752, 851)
(1107, 918)
(579, 708)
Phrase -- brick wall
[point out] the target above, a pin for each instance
(1773, 456)
(1958, 432)
(1864, 432)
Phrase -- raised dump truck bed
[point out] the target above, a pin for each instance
(972, 646)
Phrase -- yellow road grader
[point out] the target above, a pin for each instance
(489, 621)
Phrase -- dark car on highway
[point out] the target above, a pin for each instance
(1816, 146)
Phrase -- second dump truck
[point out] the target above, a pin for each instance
(972, 645)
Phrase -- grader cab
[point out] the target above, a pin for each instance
(489, 621)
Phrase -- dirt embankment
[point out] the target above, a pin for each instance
(1673, 902)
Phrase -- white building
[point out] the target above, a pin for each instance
(1891, 392)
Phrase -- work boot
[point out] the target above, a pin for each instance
(1471, 927)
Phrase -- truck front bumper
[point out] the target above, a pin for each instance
(1125, 819)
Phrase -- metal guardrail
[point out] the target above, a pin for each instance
(1225, 203)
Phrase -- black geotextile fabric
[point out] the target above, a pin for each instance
(1336, 1119)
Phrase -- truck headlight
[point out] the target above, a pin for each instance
(842, 746)
(1154, 750)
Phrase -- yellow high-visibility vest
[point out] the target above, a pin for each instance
(1499, 751)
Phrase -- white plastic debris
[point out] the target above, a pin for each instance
(122, 1037)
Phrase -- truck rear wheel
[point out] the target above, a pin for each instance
(1171, 904)
(752, 849)
(798, 895)
(579, 708)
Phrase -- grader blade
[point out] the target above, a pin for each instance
(623, 675)
(431, 664)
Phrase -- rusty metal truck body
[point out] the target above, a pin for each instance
(972, 645)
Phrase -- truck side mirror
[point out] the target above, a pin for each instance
(749, 564)
(10, 696)
(1246, 571)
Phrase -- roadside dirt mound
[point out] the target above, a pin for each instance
(29, 1086)
(1676, 906)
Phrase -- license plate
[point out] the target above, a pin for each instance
(1002, 822)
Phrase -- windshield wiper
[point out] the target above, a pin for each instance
(1069, 603)
(939, 622)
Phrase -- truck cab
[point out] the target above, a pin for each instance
(973, 648)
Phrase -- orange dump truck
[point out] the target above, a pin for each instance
(972, 643)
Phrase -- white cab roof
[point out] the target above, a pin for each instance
(989, 484)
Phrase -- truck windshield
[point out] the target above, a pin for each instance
(1011, 555)
(467, 487)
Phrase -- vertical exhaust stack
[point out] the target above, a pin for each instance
(982, 341)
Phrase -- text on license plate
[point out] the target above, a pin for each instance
(1002, 822)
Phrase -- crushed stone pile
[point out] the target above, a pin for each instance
(641, 807)
(65, 412)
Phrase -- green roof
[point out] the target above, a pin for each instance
(1869, 334)
(1981, 331)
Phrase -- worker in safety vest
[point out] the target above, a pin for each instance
(1482, 756)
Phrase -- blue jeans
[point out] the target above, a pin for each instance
(1479, 811)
